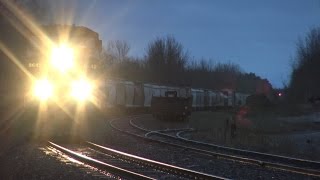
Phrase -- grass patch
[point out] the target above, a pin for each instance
(282, 118)
(262, 136)
(209, 120)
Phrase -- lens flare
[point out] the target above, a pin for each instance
(81, 90)
(43, 90)
(62, 58)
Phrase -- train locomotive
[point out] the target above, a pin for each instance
(63, 65)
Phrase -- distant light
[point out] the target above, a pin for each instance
(279, 94)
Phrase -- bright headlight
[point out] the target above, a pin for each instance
(81, 90)
(43, 89)
(62, 58)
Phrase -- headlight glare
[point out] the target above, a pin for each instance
(81, 90)
(62, 58)
(43, 90)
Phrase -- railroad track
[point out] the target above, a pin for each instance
(300, 166)
(127, 165)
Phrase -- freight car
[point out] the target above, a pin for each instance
(171, 107)
(137, 96)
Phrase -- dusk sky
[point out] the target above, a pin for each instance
(260, 36)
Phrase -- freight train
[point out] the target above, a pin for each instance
(130, 95)
(66, 73)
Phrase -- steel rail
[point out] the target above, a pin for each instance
(263, 163)
(171, 169)
(98, 164)
(303, 162)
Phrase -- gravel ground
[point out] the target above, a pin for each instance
(210, 127)
(304, 145)
(24, 155)
(179, 157)
(30, 160)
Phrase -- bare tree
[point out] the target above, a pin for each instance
(166, 59)
(305, 80)
(118, 50)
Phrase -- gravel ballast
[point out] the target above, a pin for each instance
(202, 163)
(30, 160)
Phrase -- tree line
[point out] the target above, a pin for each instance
(166, 61)
(304, 81)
